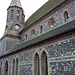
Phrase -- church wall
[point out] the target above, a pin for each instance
(60, 54)
(58, 17)
(60, 57)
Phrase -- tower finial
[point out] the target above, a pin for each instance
(15, 3)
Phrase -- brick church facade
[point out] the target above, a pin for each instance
(42, 45)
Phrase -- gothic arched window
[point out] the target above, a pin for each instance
(33, 33)
(44, 65)
(52, 22)
(0, 67)
(18, 15)
(12, 13)
(66, 16)
(36, 64)
(13, 67)
(26, 37)
(41, 29)
(16, 66)
(6, 68)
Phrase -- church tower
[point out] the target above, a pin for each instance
(14, 24)
(15, 16)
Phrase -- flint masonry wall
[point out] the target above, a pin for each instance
(60, 57)
(59, 20)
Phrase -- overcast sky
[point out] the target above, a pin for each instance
(29, 6)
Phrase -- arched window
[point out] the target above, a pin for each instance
(66, 16)
(13, 67)
(26, 37)
(36, 64)
(18, 15)
(41, 29)
(44, 65)
(6, 68)
(52, 22)
(12, 13)
(33, 33)
(16, 66)
(0, 67)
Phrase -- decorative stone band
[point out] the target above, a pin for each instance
(54, 32)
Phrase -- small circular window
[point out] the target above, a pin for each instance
(17, 26)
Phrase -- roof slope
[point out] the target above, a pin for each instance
(15, 3)
(51, 4)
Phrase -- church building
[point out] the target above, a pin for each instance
(44, 44)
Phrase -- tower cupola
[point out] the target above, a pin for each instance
(15, 16)
(15, 12)
(14, 23)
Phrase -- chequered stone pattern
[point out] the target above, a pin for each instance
(62, 68)
(25, 69)
(27, 56)
(63, 48)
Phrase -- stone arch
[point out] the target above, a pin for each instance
(36, 64)
(6, 68)
(45, 50)
(13, 66)
(36, 51)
